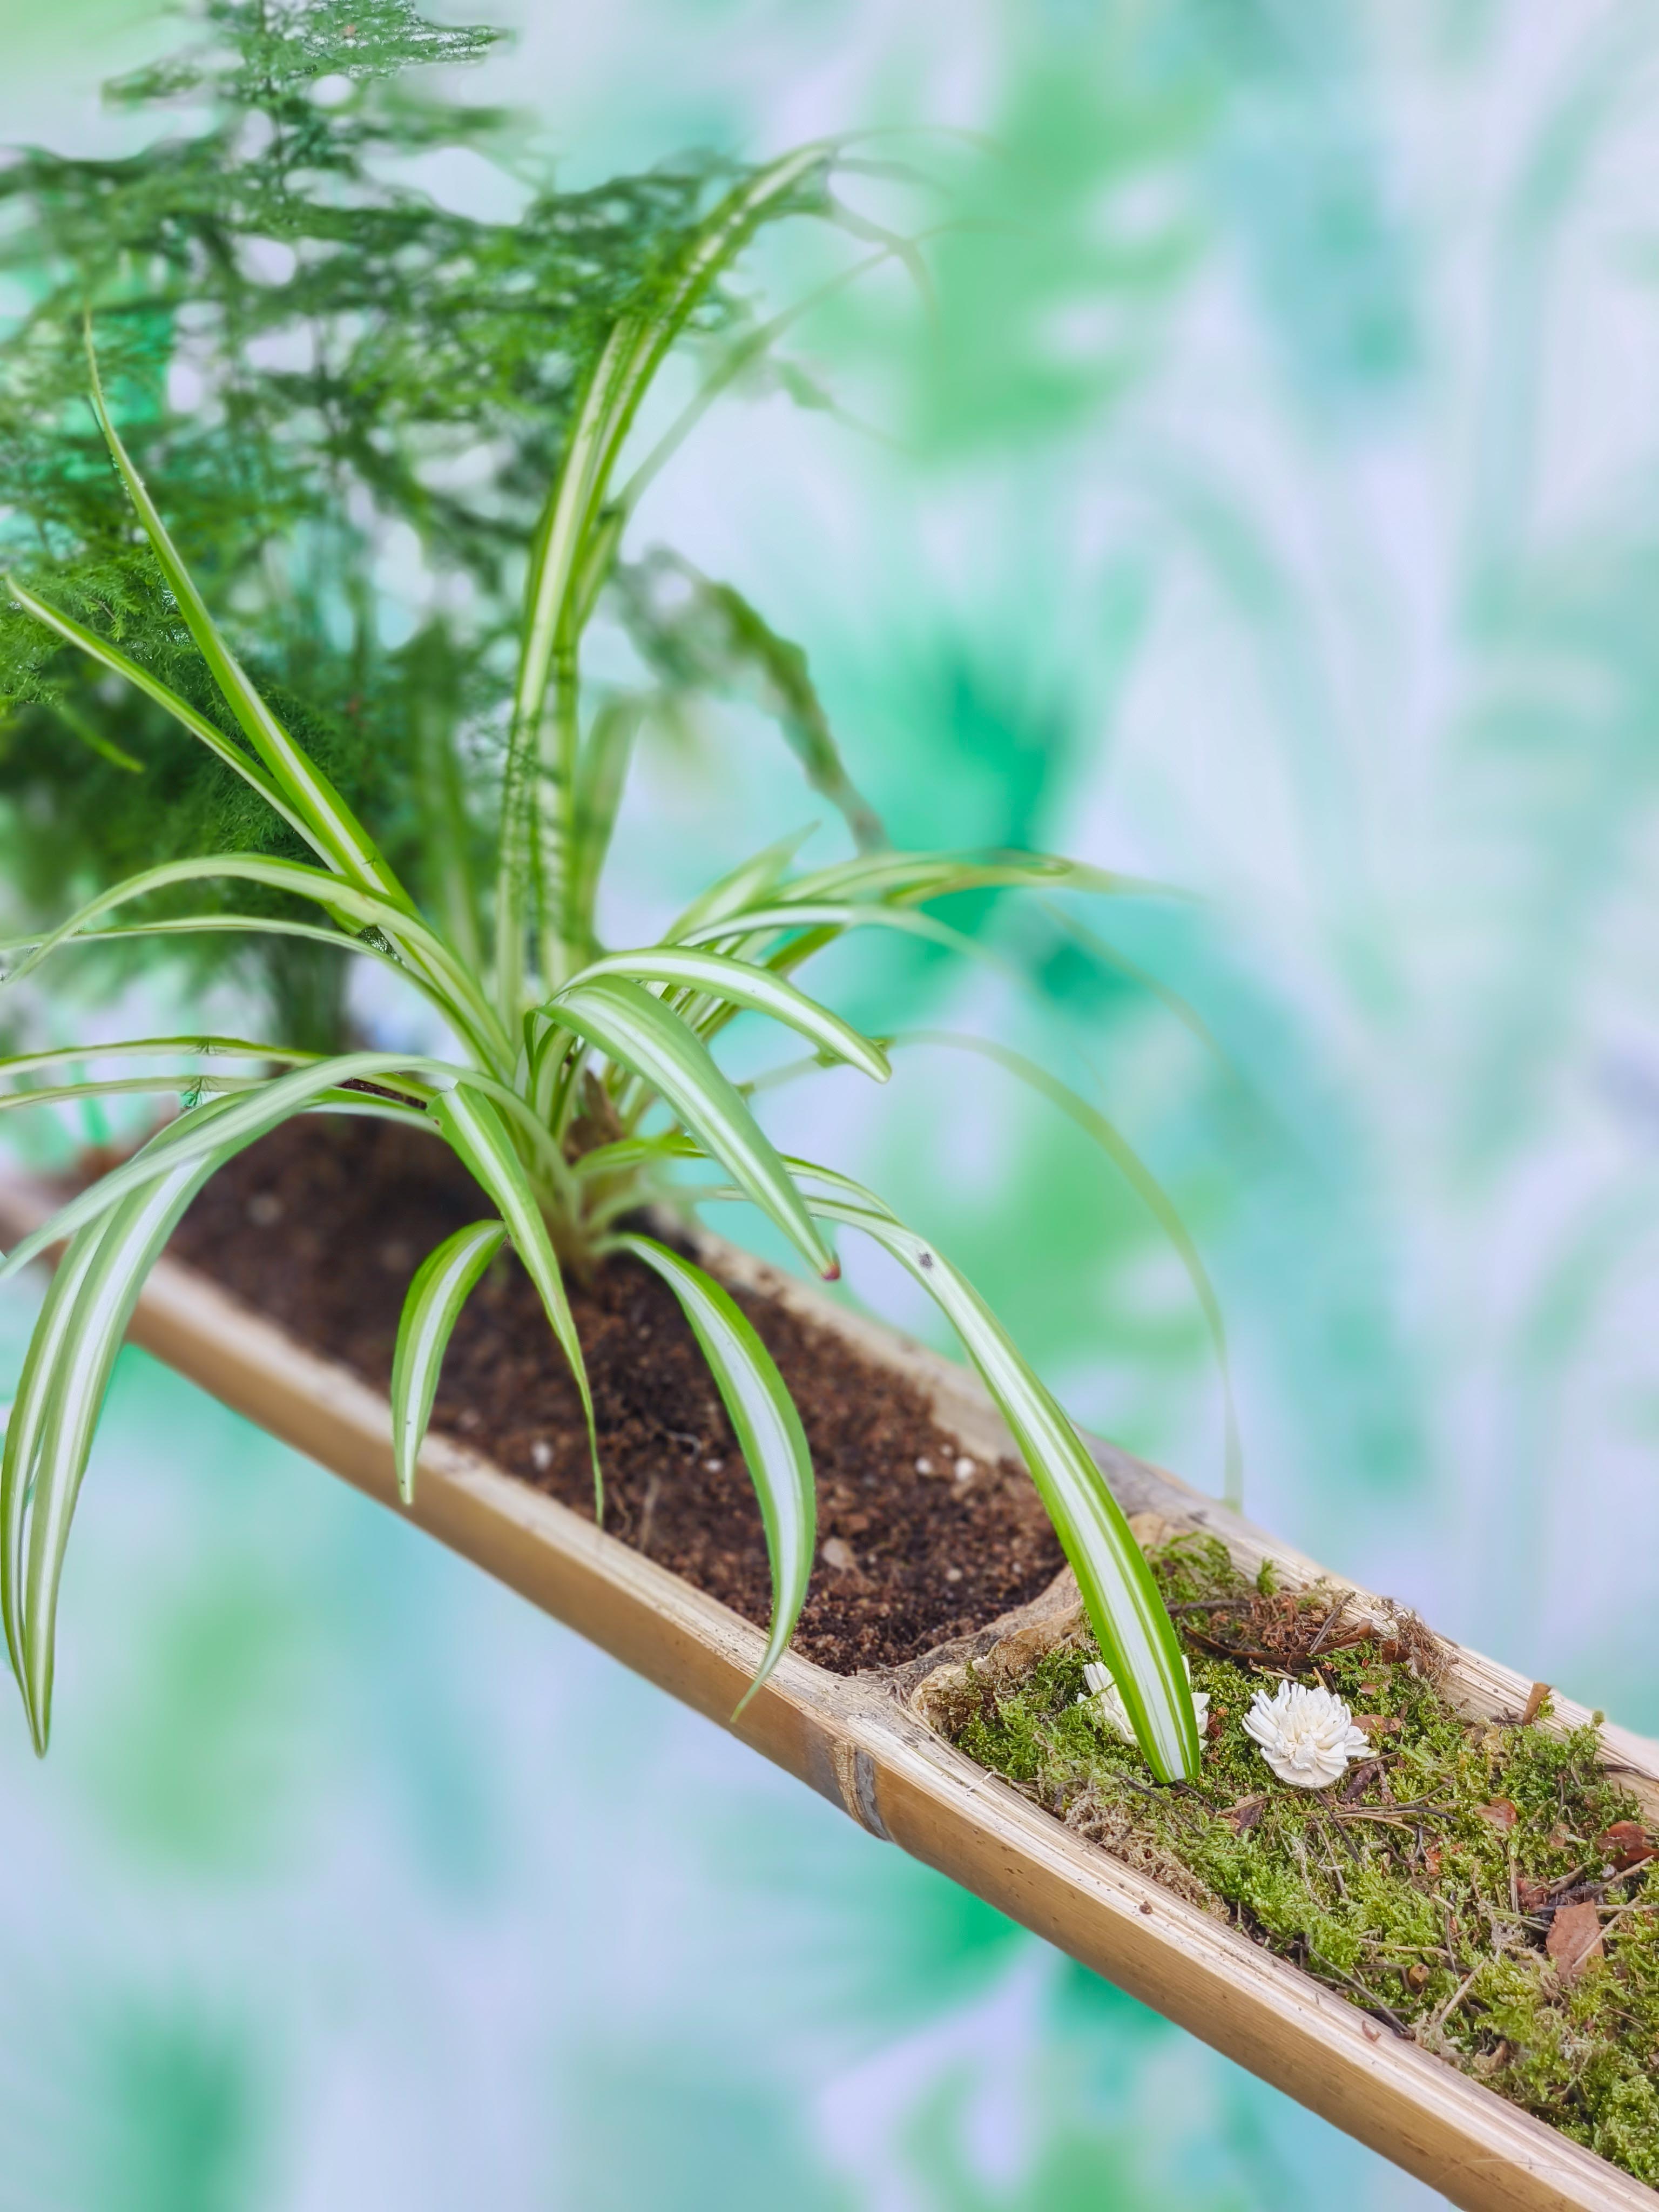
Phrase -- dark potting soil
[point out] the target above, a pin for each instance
(321, 1225)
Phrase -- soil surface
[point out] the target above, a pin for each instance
(321, 1225)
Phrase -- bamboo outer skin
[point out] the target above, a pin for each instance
(857, 1741)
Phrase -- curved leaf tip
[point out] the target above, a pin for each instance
(768, 1427)
(441, 1287)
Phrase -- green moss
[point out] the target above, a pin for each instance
(1407, 1888)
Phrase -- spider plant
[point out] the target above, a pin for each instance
(579, 1079)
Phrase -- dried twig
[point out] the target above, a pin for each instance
(1636, 1905)
(1369, 2001)
(1397, 1816)
(1327, 1625)
(1452, 2001)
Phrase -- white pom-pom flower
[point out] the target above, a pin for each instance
(1103, 1700)
(1307, 1735)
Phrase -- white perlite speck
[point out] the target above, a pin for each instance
(1105, 1700)
(1307, 1735)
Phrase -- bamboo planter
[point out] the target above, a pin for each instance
(860, 1743)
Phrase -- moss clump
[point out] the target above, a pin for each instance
(1424, 1887)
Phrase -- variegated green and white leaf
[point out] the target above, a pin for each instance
(330, 822)
(830, 914)
(757, 877)
(630, 1027)
(915, 876)
(192, 1082)
(738, 984)
(107, 1267)
(110, 657)
(151, 1049)
(235, 925)
(767, 1428)
(221, 1127)
(629, 1153)
(439, 974)
(442, 1285)
(547, 1051)
(539, 793)
(479, 1136)
(296, 877)
(1124, 1606)
(41, 1363)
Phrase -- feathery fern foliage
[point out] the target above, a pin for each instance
(310, 362)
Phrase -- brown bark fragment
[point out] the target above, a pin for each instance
(1575, 1938)
(1627, 1843)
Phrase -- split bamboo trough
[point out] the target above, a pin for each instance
(860, 1743)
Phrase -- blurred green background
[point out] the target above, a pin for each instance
(1266, 502)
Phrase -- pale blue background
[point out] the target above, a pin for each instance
(1272, 508)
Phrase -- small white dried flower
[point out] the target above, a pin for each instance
(1103, 1700)
(1307, 1735)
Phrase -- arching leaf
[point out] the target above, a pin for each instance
(739, 984)
(1124, 1606)
(475, 1129)
(442, 1285)
(329, 822)
(767, 1428)
(631, 1027)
